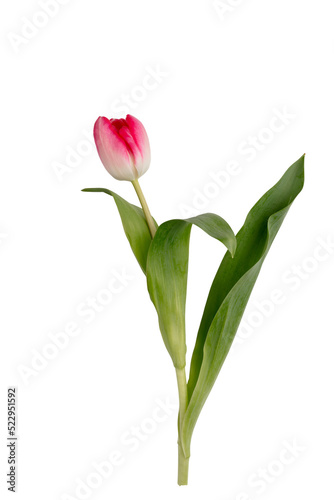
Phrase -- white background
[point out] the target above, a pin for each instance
(222, 77)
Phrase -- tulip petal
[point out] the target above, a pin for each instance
(112, 150)
(143, 153)
(131, 145)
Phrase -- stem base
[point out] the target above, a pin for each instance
(183, 467)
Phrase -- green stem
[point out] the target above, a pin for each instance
(183, 391)
(183, 467)
(183, 461)
(147, 213)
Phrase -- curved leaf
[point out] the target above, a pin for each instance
(231, 289)
(134, 224)
(167, 273)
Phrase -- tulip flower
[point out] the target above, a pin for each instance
(123, 147)
(124, 150)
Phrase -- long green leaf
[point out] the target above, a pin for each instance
(134, 224)
(231, 289)
(167, 272)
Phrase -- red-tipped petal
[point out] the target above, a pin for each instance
(142, 155)
(113, 151)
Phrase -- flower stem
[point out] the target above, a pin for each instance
(183, 392)
(183, 464)
(147, 213)
(183, 467)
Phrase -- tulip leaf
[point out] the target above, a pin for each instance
(134, 224)
(231, 289)
(167, 273)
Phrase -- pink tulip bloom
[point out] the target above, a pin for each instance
(123, 147)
